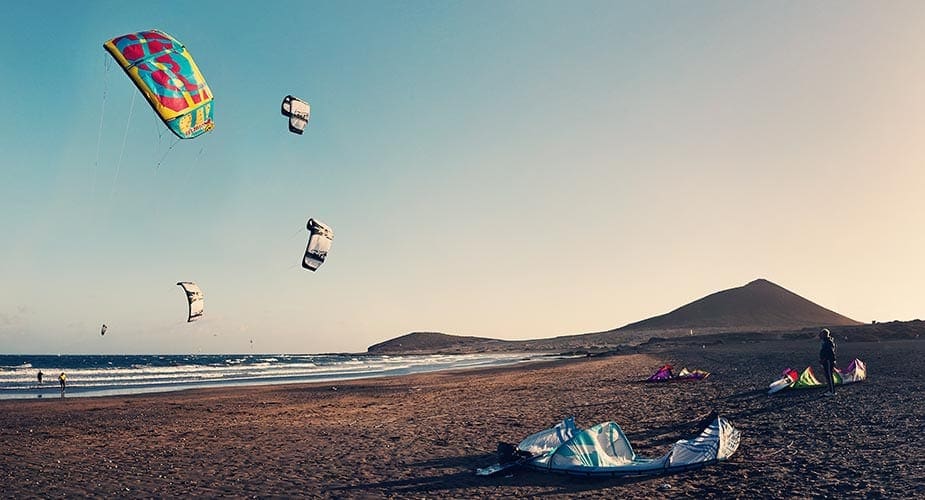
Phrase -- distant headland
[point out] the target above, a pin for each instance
(757, 308)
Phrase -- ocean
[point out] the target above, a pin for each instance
(107, 375)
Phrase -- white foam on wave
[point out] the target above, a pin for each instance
(236, 371)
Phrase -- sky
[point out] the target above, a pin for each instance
(515, 170)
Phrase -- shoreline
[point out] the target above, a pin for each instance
(423, 435)
(254, 375)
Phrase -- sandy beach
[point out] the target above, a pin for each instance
(422, 436)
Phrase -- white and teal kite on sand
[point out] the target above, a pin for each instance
(790, 379)
(604, 450)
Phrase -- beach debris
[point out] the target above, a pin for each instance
(664, 487)
(298, 112)
(664, 374)
(166, 74)
(319, 244)
(790, 379)
(604, 450)
(195, 299)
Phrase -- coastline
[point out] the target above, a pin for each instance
(120, 375)
(423, 435)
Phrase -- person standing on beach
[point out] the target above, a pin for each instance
(827, 358)
(40, 377)
(63, 379)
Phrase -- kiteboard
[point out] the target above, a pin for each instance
(509, 457)
(492, 469)
(496, 468)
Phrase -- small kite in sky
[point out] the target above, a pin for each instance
(319, 244)
(298, 112)
(194, 296)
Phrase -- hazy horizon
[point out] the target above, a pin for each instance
(514, 170)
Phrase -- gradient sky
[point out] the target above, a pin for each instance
(515, 169)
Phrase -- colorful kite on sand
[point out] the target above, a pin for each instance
(664, 374)
(790, 379)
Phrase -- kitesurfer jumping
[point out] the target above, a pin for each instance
(827, 358)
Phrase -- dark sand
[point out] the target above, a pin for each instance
(422, 436)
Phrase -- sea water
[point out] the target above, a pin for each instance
(104, 375)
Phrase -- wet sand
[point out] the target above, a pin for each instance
(422, 436)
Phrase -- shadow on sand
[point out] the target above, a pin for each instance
(465, 481)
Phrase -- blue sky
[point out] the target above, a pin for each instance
(503, 169)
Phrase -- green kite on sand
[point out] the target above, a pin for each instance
(790, 379)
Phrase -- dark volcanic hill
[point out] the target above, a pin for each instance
(758, 306)
(433, 342)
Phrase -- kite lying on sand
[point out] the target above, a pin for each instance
(855, 372)
(664, 374)
(604, 450)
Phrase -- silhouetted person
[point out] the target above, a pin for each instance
(40, 377)
(827, 358)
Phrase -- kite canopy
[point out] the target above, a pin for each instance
(664, 374)
(298, 112)
(319, 244)
(604, 450)
(807, 379)
(855, 372)
(546, 440)
(788, 377)
(194, 296)
(165, 72)
(103, 329)
(686, 374)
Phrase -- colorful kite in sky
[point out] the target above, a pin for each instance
(166, 74)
